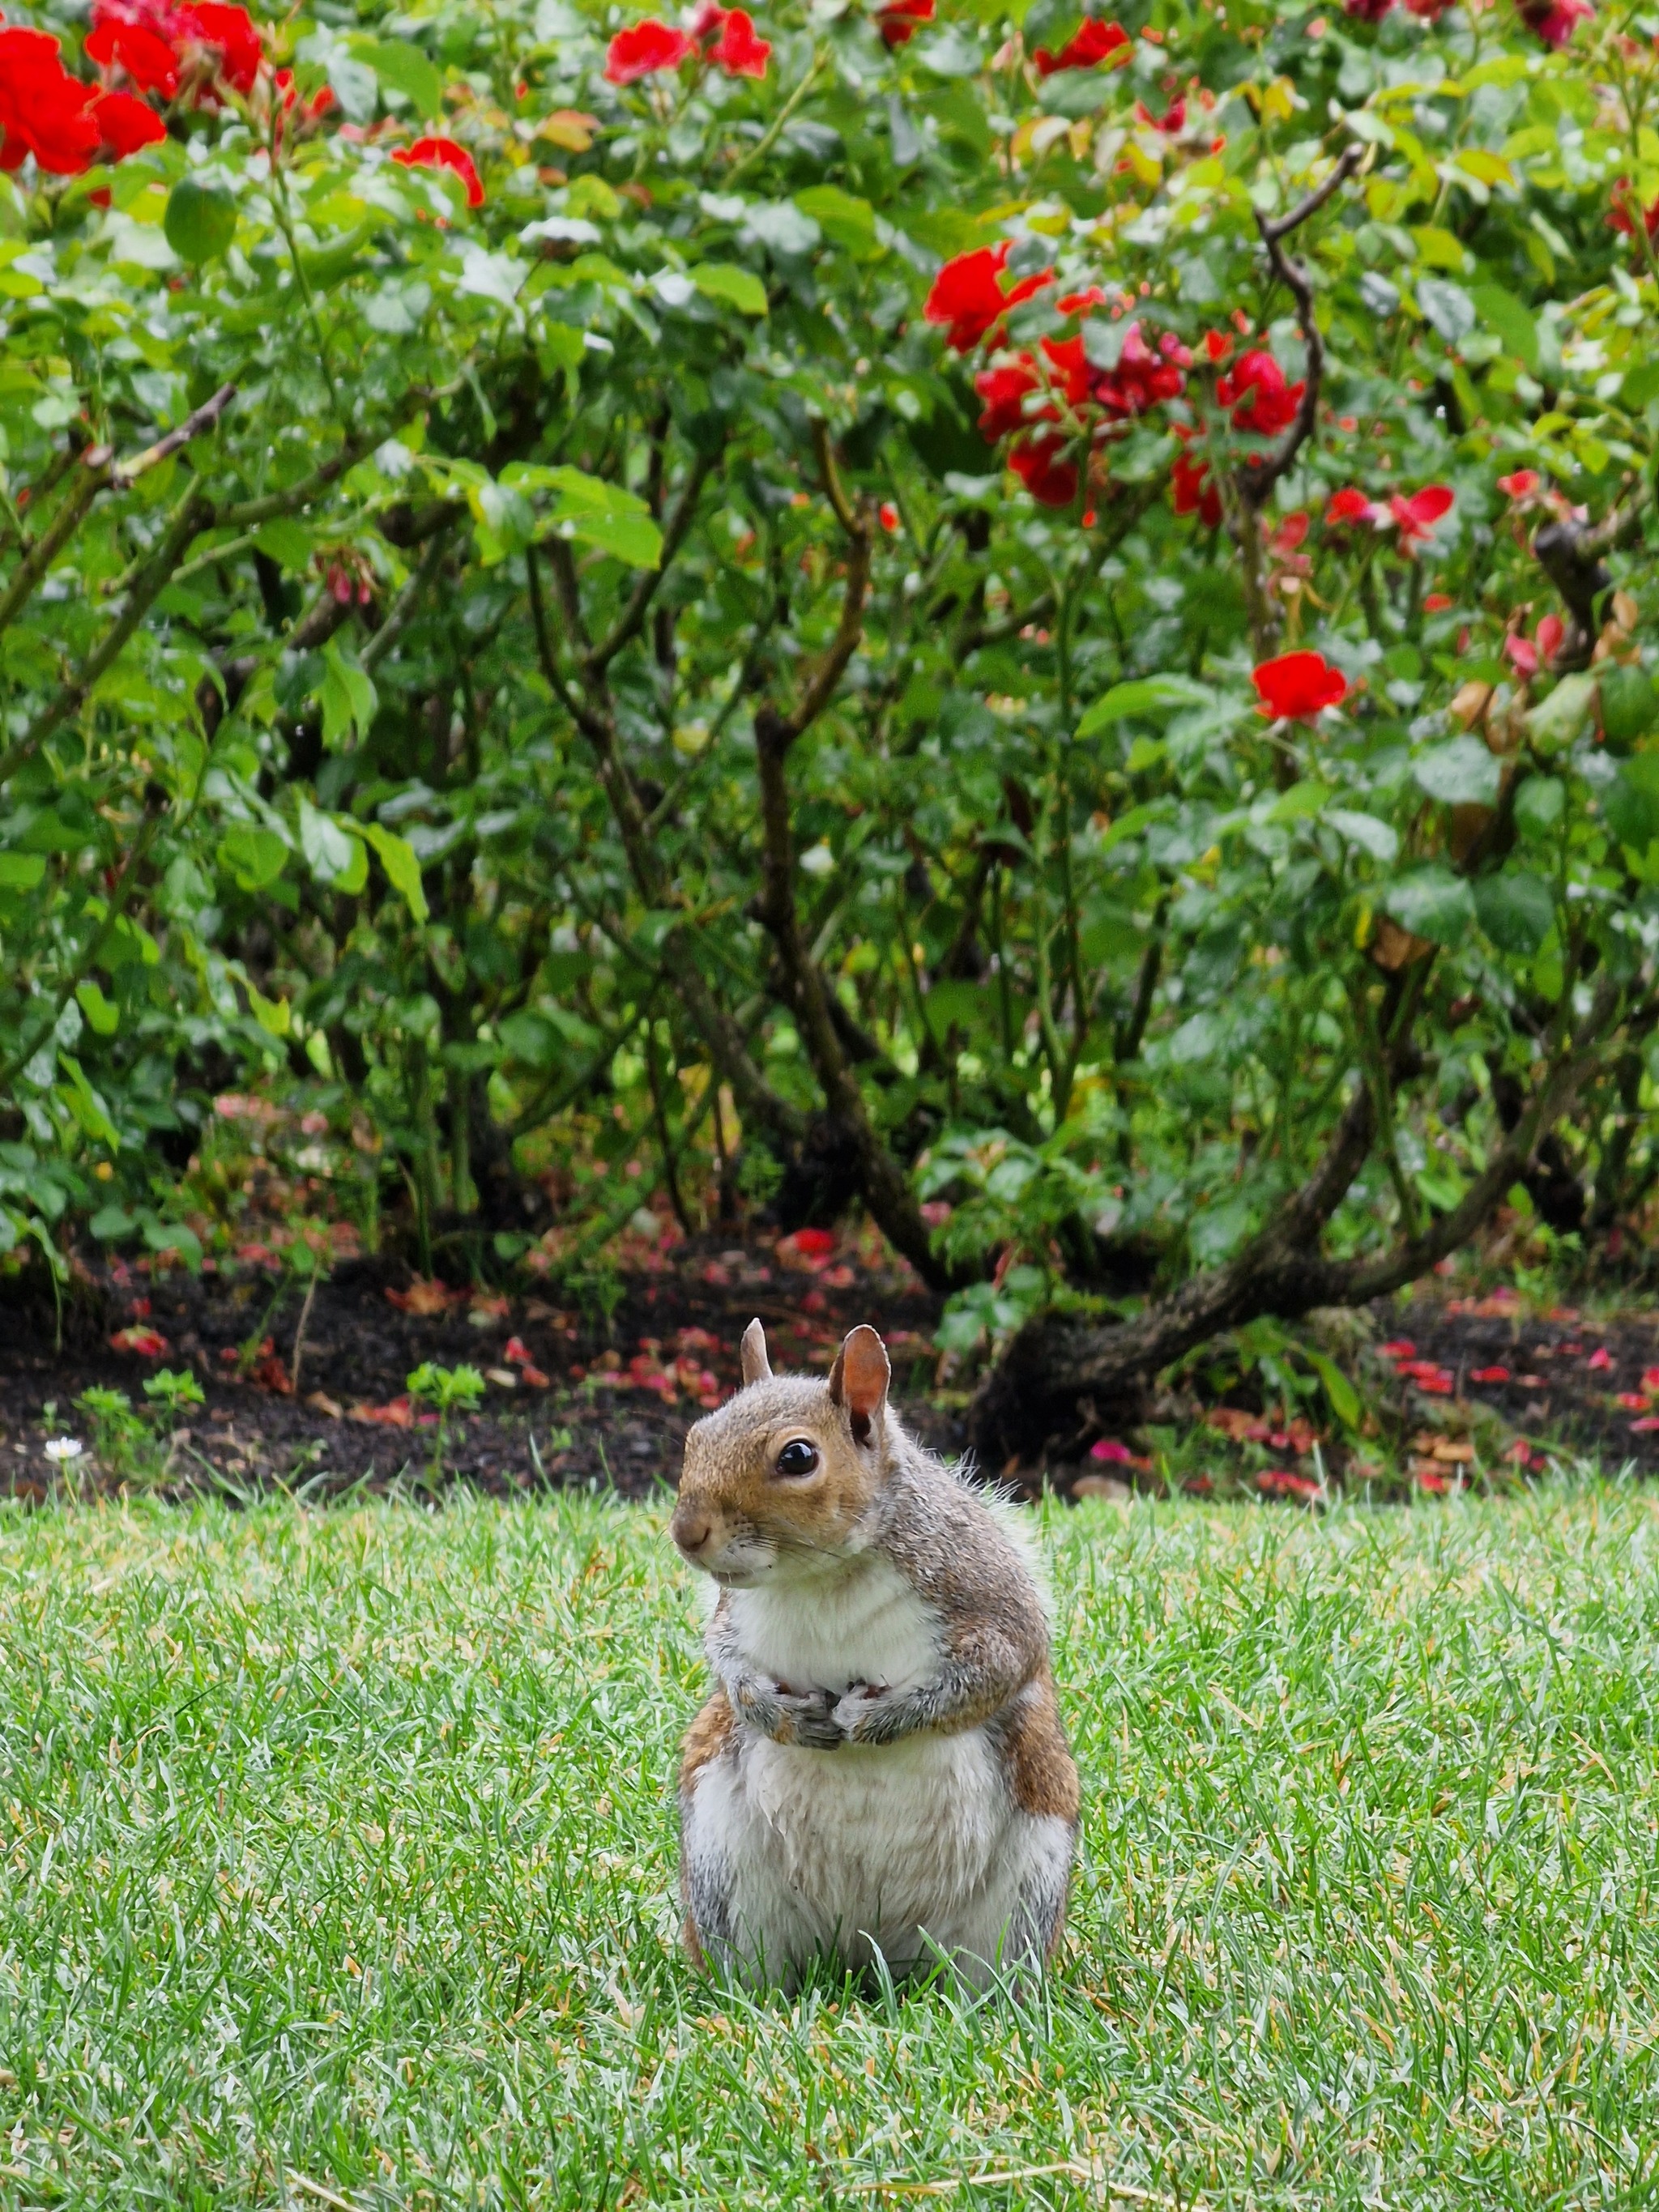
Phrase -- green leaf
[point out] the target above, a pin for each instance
(1461, 774)
(397, 857)
(1447, 306)
(594, 513)
(1147, 694)
(200, 221)
(740, 288)
(111, 1222)
(1631, 801)
(1344, 1398)
(331, 852)
(1300, 802)
(105, 1018)
(1371, 835)
(174, 1236)
(1629, 706)
(1516, 910)
(348, 695)
(255, 857)
(1432, 903)
(1538, 805)
(85, 1104)
(287, 543)
(402, 67)
(845, 220)
(1504, 315)
(21, 871)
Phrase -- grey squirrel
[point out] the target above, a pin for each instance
(881, 1767)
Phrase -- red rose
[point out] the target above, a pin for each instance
(231, 33)
(1521, 485)
(444, 153)
(1037, 462)
(1091, 46)
(1143, 378)
(1195, 491)
(738, 51)
(123, 124)
(968, 295)
(1003, 390)
(43, 109)
(898, 20)
(1620, 214)
(1257, 393)
(1068, 368)
(644, 49)
(1417, 516)
(132, 39)
(1555, 20)
(1349, 506)
(1298, 685)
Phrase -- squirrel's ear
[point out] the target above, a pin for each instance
(757, 1367)
(859, 1377)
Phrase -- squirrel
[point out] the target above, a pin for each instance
(881, 1769)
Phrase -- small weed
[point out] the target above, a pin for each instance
(449, 1390)
(171, 1392)
(124, 1440)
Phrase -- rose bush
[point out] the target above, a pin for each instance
(1034, 620)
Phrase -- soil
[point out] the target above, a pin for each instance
(573, 1397)
(570, 1397)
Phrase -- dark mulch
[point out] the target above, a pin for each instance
(577, 1396)
(572, 1397)
(1564, 1370)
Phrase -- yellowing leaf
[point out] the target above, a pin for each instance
(1438, 249)
(569, 128)
(274, 1015)
(1278, 101)
(1485, 168)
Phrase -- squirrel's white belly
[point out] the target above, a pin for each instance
(891, 1848)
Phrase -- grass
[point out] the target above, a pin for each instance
(340, 1851)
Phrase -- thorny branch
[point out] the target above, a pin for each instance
(1257, 478)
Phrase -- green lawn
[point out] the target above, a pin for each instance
(340, 1854)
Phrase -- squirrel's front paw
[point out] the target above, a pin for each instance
(809, 1719)
(858, 1714)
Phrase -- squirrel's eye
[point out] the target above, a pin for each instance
(797, 1458)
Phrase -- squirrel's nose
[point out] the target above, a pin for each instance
(690, 1530)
